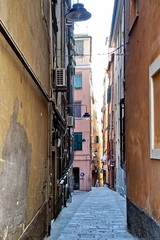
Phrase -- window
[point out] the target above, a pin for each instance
(96, 140)
(78, 141)
(79, 47)
(154, 98)
(78, 81)
(109, 94)
(122, 134)
(77, 109)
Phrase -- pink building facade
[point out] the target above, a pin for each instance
(82, 104)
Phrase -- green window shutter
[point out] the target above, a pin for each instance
(78, 81)
(109, 94)
(75, 145)
(77, 141)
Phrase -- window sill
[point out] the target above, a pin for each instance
(155, 154)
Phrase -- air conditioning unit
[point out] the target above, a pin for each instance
(60, 78)
(70, 121)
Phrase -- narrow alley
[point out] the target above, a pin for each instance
(79, 110)
(97, 214)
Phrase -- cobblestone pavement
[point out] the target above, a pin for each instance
(98, 215)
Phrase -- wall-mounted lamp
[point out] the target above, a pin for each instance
(83, 140)
(78, 13)
(86, 114)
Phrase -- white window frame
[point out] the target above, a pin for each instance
(153, 70)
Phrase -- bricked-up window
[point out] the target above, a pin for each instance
(154, 98)
(77, 110)
(78, 81)
(134, 12)
(77, 141)
(79, 47)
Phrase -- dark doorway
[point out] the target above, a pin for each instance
(76, 178)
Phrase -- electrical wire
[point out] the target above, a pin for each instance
(98, 54)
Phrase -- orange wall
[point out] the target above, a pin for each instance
(143, 48)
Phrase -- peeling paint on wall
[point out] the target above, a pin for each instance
(16, 157)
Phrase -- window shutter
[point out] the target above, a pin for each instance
(75, 145)
(109, 94)
(78, 141)
(78, 81)
(75, 141)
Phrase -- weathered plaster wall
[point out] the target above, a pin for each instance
(142, 49)
(23, 123)
(16, 157)
(26, 24)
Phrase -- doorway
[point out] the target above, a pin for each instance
(76, 178)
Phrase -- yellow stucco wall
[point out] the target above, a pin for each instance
(26, 24)
(23, 118)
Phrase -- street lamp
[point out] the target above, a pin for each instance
(86, 114)
(78, 13)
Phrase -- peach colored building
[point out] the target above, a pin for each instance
(82, 104)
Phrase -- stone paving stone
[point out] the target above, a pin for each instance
(96, 215)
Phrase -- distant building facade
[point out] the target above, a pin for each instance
(96, 147)
(110, 129)
(105, 128)
(82, 104)
(117, 99)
